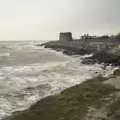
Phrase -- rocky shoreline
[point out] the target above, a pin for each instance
(102, 55)
(94, 99)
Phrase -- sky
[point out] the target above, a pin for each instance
(44, 19)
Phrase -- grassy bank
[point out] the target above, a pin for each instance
(69, 47)
(103, 57)
(107, 51)
(72, 104)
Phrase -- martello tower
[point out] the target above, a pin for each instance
(66, 36)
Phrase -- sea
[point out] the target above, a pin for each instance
(29, 73)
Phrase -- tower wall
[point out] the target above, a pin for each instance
(65, 36)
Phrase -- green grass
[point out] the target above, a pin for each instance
(71, 104)
(114, 110)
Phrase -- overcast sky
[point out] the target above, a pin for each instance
(44, 19)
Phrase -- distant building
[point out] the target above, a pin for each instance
(67, 36)
(87, 36)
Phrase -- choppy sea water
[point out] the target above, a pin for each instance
(29, 73)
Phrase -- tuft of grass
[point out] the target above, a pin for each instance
(114, 110)
(116, 72)
(71, 104)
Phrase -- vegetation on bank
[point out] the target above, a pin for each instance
(104, 49)
(103, 57)
(114, 110)
(71, 104)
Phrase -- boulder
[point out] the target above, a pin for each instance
(116, 72)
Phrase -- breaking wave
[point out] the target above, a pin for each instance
(30, 73)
